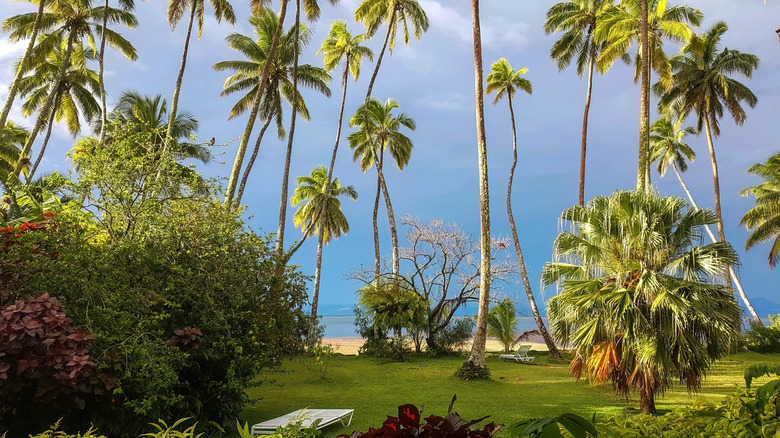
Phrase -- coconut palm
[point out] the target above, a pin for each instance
(11, 144)
(624, 25)
(578, 19)
(72, 21)
(379, 130)
(75, 94)
(505, 81)
(248, 73)
(639, 298)
(668, 148)
(313, 191)
(394, 13)
(175, 12)
(475, 364)
(502, 323)
(762, 220)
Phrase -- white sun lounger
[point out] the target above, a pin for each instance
(521, 355)
(327, 417)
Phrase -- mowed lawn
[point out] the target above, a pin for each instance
(375, 387)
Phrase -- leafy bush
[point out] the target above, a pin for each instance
(375, 343)
(456, 334)
(764, 339)
(407, 425)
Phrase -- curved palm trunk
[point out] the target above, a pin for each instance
(239, 161)
(14, 88)
(721, 233)
(251, 161)
(45, 139)
(379, 59)
(175, 100)
(642, 182)
(375, 220)
(101, 61)
(476, 359)
(288, 156)
(584, 123)
(47, 107)
(315, 295)
(520, 261)
(390, 216)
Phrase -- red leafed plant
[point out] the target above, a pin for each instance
(407, 425)
(186, 339)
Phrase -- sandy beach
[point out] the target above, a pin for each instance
(350, 345)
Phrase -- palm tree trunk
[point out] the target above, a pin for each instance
(344, 80)
(734, 278)
(251, 162)
(14, 88)
(315, 295)
(177, 89)
(45, 139)
(47, 107)
(375, 220)
(476, 359)
(379, 60)
(288, 156)
(101, 62)
(520, 261)
(239, 161)
(390, 216)
(644, 105)
(584, 120)
(646, 402)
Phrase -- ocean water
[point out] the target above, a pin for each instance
(343, 326)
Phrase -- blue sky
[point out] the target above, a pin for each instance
(433, 81)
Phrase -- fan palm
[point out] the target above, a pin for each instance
(394, 13)
(248, 73)
(578, 19)
(314, 191)
(75, 92)
(762, 220)
(621, 27)
(379, 130)
(72, 21)
(175, 12)
(502, 323)
(505, 81)
(639, 297)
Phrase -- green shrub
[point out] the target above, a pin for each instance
(456, 334)
(764, 339)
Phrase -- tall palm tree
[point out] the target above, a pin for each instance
(76, 92)
(639, 298)
(394, 13)
(578, 19)
(762, 220)
(505, 81)
(176, 9)
(502, 323)
(703, 85)
(280, 76)
(379, 130)
(74, 21)
(128, 6)
(652, 21)
(475, 364)
(314, 191)
(11, 145)
(668, 148)
(13, 89)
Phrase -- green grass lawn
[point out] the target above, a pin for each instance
(375, 387)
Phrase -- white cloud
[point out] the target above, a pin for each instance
(449, 101)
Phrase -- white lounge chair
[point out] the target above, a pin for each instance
(327, 417)
(521, 355)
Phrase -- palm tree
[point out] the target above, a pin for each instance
(176, 9)
(638, 21)
(667, 147)
(475, 364)
(13, 89)
(502, 323)
(71, 21)
(11, 144)
(379, 130)
(503, 80)
(578, 20)
(763, 219)
(640, 300)
(313, 191)
(395, 13)
(248, 73)
(75, 93)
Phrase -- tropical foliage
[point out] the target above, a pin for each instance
(762, 220)
(502, 324)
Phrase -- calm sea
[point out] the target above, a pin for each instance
(343, 326)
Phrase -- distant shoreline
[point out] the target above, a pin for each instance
(349, 345)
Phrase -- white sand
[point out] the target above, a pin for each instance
(350, 345)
